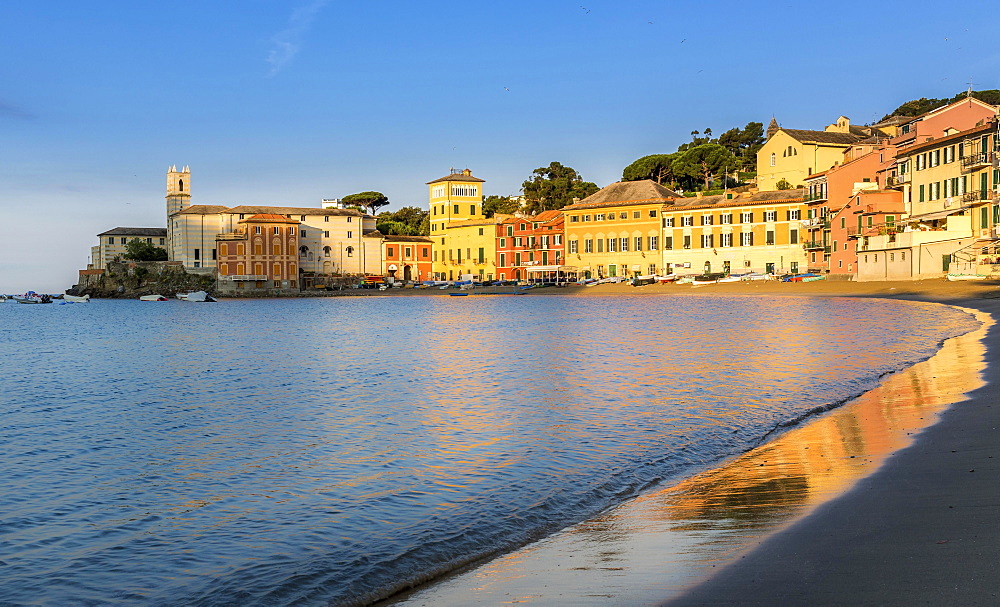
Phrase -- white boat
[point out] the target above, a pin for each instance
(76, 298)
(966, 277)
(152, 298)
(198, 296)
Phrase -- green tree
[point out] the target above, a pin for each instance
(916, 107)
(389, 226)
(554, 187)
(413, 221)
(658, 167)
(140, 250)
(505, 205)
(744, 143)
(783, 184)
(367, 200)
(705, 162)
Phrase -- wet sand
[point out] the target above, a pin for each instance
(783, 526)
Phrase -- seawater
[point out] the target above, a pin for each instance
(337, 450)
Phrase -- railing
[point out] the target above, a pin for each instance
(814, 245)
(895, 181)
(976, 195)
(814, 197)
(976, 160)
(816, 222)
(231, 236)
(245, 277)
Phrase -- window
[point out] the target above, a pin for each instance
(769, 237)
(586, 217)
(455, 209)
(574, 218)
(726, 218)
(622, 215)
(503, 243)
(350, 251)
(770, 216)
(687, 241)
(706, 241)
(624, 244)
(573, 246)
(774, 159)
(668, 222)
(612, 245)
(482, 255)
(326, 251)
(636, 214)
(746, 217)
(326, 218)
(517, 241)
(706, 220)
(668, 242)
(793, 237)
(349, 233)
(214, 254)
(654, 242)
(687, 221)
(638, 243)
(600, 245)
(389, 251)
(600, 217)
(652, 212)
(726, 240)
(588, 246)
(503, 259)
(197, 253)
(276, 230)
(256, 229)
(746, 239)
(480, 231)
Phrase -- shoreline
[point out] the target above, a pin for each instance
(790, 564)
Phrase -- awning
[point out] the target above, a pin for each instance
(934, 215)
(552, 269)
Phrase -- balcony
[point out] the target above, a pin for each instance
(245, 277)
(814, 197)
(897, 181)
(815, 223)
(231, 236)
(977, 161)
(816, 246)
(976, 195)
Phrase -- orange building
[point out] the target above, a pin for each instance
(260, 255)
(407, 258)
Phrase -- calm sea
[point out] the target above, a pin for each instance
(335, 450)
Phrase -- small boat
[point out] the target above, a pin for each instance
(197, 296)
(966, 277)
(153, 298)
(76, 298)
(459, 294)
(44, 299)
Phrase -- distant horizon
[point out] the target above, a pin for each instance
(282, 105)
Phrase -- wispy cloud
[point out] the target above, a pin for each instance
(286, 43)
(9, 110)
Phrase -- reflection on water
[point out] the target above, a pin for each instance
(648, 550)
(319, 451)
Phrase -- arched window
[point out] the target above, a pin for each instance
(774, 158)
(180, 185)
(326, 251)
(303, 250)
(350, 251)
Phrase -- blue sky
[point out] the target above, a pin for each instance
(290, 102)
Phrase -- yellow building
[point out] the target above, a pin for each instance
(737, 233)
(464, 239)
(616, 231)
(792, 155)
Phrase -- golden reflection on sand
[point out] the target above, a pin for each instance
(648, 550)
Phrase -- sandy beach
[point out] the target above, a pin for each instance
(921, 529)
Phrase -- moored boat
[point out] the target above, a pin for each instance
(966, 277)
(197, 296)
(152, 298)
(76, 298)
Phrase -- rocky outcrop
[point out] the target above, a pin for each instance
(132, 279)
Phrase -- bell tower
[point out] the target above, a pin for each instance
(178, 190)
